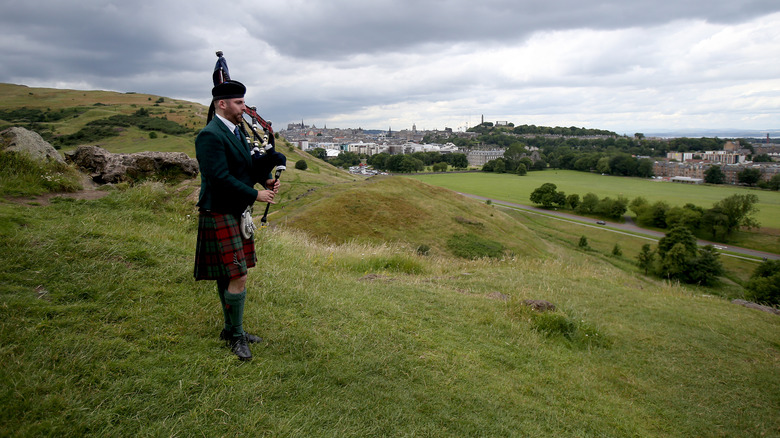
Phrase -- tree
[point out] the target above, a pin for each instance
(458, 161)
(638, 205)
(762, 158)
(616, 251)
(684, 217)
(583, 243)
(749, 176)
(774, 182)
(714, 175)
(739, 209)
(573, 201)
(521, 169)
(301, 165)
(645, 168)
(319, 153)
(613, 208)
(499, 165)
(704, 269)
(715, 222)
(588, 204)
(681, 259)
(679, 235)
(547, 195)
(539, 165)
(440, 167)
(602, 166)
(515, 152)
(654, 215)
(646, 257)
(764, 284)
(623, 164)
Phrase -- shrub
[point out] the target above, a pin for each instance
(583, 243)
(472, 246)
(558, 325)
(764, 284)
(616, 251)
(301, 165)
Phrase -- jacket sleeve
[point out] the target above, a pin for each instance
(211, 151)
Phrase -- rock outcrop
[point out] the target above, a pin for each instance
(28, 142)
(106, 167)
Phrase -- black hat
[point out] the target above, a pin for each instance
(228, 90)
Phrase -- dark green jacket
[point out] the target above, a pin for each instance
(227, 183)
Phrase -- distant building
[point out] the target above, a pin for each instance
(687, 180)
(480, 158)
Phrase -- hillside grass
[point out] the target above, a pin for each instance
(102, 105)
(518, 189)
(105, 333)
(602, 241)
(406, 212)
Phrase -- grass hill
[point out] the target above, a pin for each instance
(56, 113)
(105, 333)
(394, 209)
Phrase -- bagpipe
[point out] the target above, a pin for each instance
(265, 157)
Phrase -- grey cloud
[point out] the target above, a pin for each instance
(321, 30)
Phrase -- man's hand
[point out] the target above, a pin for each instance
(266, 196)
(273, 184)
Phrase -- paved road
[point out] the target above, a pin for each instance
(628, 228)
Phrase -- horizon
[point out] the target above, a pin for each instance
(657, 133)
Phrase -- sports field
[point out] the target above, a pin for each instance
(514, 188)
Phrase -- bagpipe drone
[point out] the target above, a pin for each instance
(264, 155)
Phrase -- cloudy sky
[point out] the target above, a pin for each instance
(623, 65)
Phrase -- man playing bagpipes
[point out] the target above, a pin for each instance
(225, 246)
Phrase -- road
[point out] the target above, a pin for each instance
(628, 228)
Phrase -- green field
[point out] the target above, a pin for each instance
(105, 333)
(514, 188)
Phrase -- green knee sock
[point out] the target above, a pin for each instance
(222, 289)
(235, 307)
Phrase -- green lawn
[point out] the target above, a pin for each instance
(514, 188)
(105, 333)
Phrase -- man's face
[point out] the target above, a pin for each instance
(232, 109)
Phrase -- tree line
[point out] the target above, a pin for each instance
(719, 222)
(548, 195)
(401, 163)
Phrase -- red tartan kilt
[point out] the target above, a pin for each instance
(221, 252)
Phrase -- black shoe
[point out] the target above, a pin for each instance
(227, 336)
(241, 348)
(252, 339)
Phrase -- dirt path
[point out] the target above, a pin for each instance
(90, 192)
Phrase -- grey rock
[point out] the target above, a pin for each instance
(28, 142)
(756, 306)
(106, 167)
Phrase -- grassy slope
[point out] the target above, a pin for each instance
(402, 210)
(105, 333)
(189, 114)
